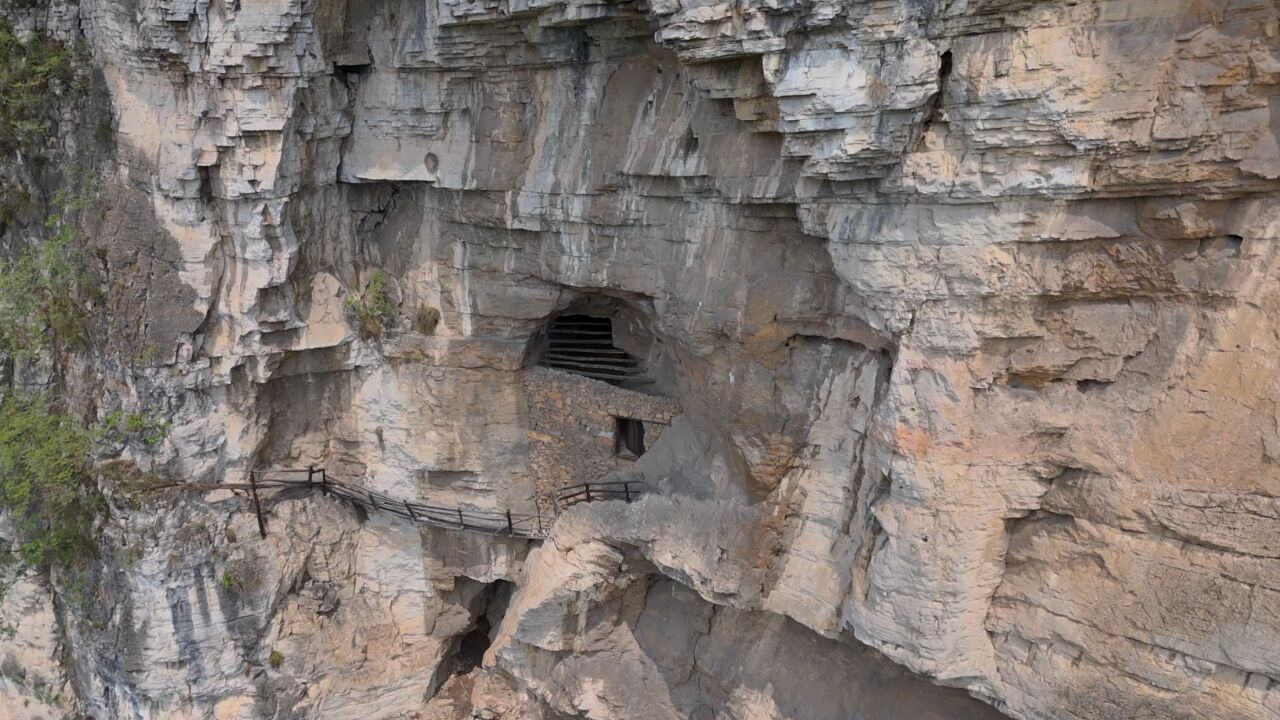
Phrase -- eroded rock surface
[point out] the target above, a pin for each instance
(968, 309)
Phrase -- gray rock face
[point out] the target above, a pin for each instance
(968, 310)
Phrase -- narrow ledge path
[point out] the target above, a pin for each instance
(503, 521)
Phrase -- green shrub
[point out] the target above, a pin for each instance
(276, 659)
(41, 292)
(150, 428)
(374, 309)
(33, 73)
(44, 481)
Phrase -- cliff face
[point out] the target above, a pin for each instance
(961, 320)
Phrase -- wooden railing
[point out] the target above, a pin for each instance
(624, 490)
(503, 521)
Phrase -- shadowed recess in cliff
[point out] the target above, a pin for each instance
(583, 345)
(489, 608)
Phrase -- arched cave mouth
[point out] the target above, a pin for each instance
(473, 646)
(604, 339)
(584, 345)
(491, 606)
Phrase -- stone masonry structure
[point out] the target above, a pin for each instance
(573, 426)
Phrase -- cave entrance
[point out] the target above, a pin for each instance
(600, 388)
(585, 345)
(489, 608)
(473, 647)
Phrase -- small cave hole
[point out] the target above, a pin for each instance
(1086, 386)
(935, 102)
(1220, 247)
(341, 70)
(206, 182)
(690, 143)
(581, 46)
(1025, 382)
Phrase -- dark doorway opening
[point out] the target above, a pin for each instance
(628, 437)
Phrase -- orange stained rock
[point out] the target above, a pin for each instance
(912, 441)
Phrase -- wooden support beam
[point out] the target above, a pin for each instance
(620, 362)
(257, 504)
(598, 376)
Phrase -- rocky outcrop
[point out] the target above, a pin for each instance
(968, 310)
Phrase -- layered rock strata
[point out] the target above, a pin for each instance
(968, 310)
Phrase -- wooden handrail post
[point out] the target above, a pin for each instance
(311, 473)
(257, 504)
(324, 481)
(412, 515)
(588, 487)
(461, 523)
(511, 529)
(626, 491)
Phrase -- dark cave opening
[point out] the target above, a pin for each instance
(628, 437)
(474, 645)
(609, 339)
(489, 609)
(584, 345)
(340, 69)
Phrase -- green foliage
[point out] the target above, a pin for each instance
(149, 428)
(375, 309)
(45, 485)
(44, 481)
(276, 659)
(41, 292)
(15, 201)
(33, 73)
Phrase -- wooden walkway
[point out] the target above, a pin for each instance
(491, 522)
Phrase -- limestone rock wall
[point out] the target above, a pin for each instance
(969, 307)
